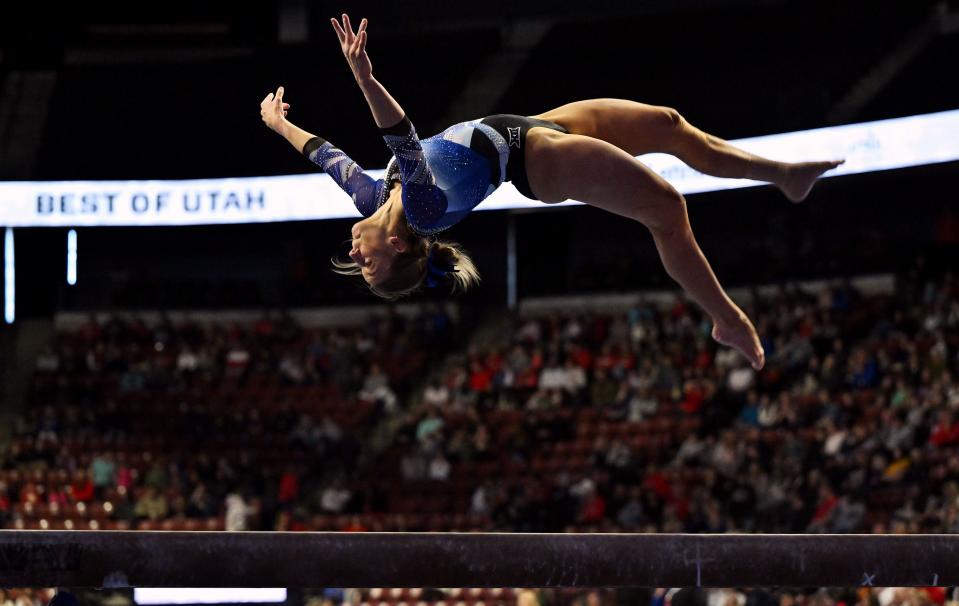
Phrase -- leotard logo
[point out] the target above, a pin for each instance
(514, 139)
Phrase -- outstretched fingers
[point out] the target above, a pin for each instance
(360, 46)
(344, 31)
(353, 45)
(339, 30)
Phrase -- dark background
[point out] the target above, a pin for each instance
(172, 92)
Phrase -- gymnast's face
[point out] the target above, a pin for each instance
(374, 250)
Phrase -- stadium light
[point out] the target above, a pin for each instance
(9, 277)
(72, 257)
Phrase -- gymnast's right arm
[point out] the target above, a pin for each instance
(362, 188)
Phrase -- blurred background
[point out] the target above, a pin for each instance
(222, 377)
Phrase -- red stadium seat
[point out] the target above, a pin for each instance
(215, 524)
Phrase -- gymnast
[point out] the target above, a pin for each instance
(584, 150)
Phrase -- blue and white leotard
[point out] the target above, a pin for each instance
(443, 177)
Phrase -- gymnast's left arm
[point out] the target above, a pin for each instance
(386, 111)
(397, 130)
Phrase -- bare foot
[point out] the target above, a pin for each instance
(801, 176)
(741, 335)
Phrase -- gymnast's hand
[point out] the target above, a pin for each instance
(354, 47)
(273, 110)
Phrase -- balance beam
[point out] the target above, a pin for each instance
(38, 558)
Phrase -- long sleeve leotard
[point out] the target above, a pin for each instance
(444, 177)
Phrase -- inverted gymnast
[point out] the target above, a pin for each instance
(584, 150)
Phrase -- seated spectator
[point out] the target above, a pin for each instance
(602, 392)
(439, 468)
(200, 503)
(238, 512)
(431, 424)
(152, 505)
(103, 471)
(946, 431)
(335, 496)
(289, 488)
(5, 503)
(237, 360)
(81, 489)
(376, 388)
(436, 395)
(187, 361)
(553, 375)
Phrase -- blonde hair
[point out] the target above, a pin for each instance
(408, 272)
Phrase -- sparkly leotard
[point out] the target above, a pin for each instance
(444, 177)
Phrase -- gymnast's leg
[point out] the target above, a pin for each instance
(638, 129)
(561, 166)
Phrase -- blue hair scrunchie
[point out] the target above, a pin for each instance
(436, 270)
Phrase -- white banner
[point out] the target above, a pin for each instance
(867, 147)
(208, 595)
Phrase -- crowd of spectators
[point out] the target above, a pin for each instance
(851, 427)
(216, 425)
(896, 596)
(618, 421)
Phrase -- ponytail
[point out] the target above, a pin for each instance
(425, 262)
(448, 261)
